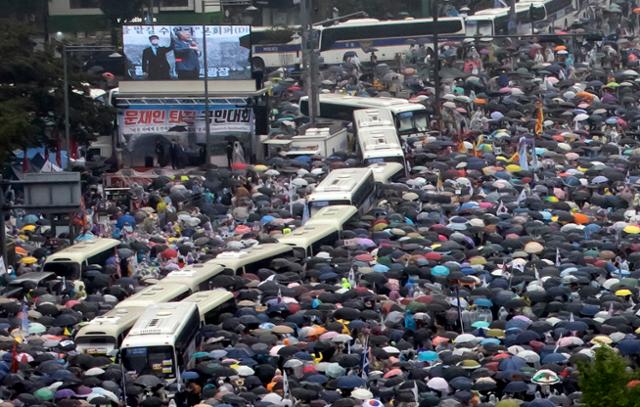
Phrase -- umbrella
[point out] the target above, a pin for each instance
(350, 382)
(148, 381)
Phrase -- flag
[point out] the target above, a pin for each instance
(522, 197)
(25, 161)
(536, 273)
(285, 384)
(3, 267)
(416, 393)
(352, 277)
(365, 359)
(522, 155)
(291, 195)
(557, 257)
(534, 157)
(305, 213)
(439, 184)
(24, 318)
(502, 209)
(539, 118)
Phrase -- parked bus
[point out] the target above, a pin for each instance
(197, 277)
(337, 216)
(387, 172)
(344, 186)
(104, 334)
(377, 137)
(250, 259)
(306, 240)
(495, 21)
(72, 261)
(269, 53)
(163, 291)
(410, 119)
(556, 12)
(211, 304)
(162, 341)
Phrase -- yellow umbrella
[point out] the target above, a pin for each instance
(632, 229)
(28, 228)
(260, 167)
(623, 292)
(513, 168)
(28, 260)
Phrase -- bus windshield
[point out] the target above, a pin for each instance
(479, 28)
(412, 121)
(154, 360)
(67, 269)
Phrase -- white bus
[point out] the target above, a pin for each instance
(163, 291)
(250, 259)
(358, 36)
(410, 119)
(197, 277)
(162, 341)
(387, 172)
(378, 140)
(211, 303)
(306, 240)
(72, 261)
(336, 215)
(344, 186)
(495, 21)
(104, 334)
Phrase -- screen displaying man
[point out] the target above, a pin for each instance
(154, 61)
(187, 55)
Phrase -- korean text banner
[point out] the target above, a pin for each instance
(189, 120)
(165, 52)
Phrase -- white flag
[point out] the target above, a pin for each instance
(502, 209)
(522, 197)
(3, 268)
(557, 257)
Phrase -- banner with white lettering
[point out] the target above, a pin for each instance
(190, 120)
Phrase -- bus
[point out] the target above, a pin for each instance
(495, 21)
(72, 261)
(104, 334)
(388, 38)
(163, 291)
(386, 172)
(410, 119)
(306, 240)
(251, 259)
(556, 11)
(162, 341)
(356, 36)
(344, 186)
(377, 137)
(211, 304)
(337, 216)
(197, 277)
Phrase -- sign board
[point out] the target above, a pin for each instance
(191, 119)
(166, 52)
(52, 192)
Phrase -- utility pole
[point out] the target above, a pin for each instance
(3, 237)
(67, 126)
(436, 56)
(512, 17)
(309, 59)
(207, 124)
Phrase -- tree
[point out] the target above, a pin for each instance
(31, 96)
(605, 381)
(119, 12)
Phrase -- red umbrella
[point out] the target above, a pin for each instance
(169, 253)
(239, 166)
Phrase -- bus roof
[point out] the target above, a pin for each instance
(343, 180)
(83, 250)
(307, 235)
(157, 293)
(194, 274)
(365, 118)
(239, 259)
(209, 299)
(161, 322)
(382, 138)
(383, 172)
(336, 215)
(113, 323)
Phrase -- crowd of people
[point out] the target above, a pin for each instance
(505, 258)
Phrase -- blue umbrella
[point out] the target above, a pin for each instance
(629, 346)
(125, 219)
(516, 387)
(513, 364)
(317, 378)
(541, 403)
(350, 382)
(554, 358)
(190, 375)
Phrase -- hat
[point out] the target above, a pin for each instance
(152, 36)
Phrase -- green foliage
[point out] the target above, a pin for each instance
(32, 94)
(118, 11)
(603, 382)
(379, 8)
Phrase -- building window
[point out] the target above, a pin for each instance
(174, 3)
(84, 3)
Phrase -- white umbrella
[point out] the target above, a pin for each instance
(581, 117)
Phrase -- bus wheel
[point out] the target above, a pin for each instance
(258, 64)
